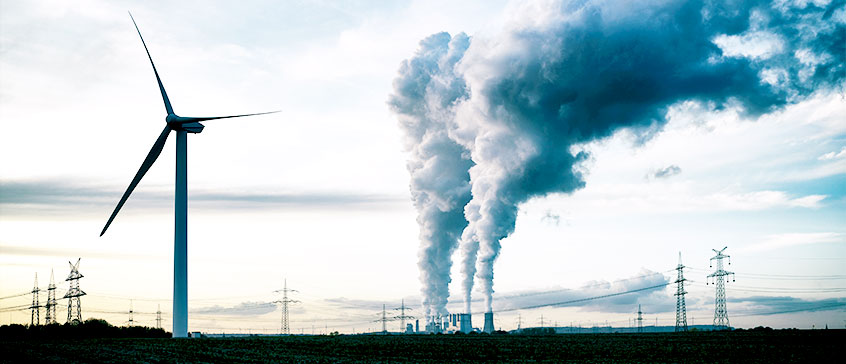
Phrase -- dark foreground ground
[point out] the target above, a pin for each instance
(789, 346)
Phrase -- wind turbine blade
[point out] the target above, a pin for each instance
(148, 162)
(158, 79)
(188, 119)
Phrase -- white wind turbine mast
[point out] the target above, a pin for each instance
(182, 125)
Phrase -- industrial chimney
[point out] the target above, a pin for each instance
(489, 325)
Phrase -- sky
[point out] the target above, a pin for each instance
(319, 194)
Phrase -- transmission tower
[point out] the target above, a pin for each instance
(639, 319)
(285, 327)
(402, 317)
(36, 307)
(50, 306)
(681, 310)
(721, 319)
(131, 320)
(519, 322)
(384, 320)
(74, 294)
(159, 317)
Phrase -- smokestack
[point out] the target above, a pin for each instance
(465, 322)
(416, 325)
(489, 325)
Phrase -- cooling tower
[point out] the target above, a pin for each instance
(465, 323)
(489, 325)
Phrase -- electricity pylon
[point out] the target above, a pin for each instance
(159, 317)
(285, 328)
(131, 320)
(721, 319)
(681, 310)
(50, 306)
(36, 307)
(402, 317)
(384, 320)
(74, 293)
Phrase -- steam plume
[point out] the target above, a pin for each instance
(424, 95)
(564, 73)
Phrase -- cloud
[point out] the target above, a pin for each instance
(566, 73)
(755, 45)
(759, 200)
(779, 241)
(657, 299)
(370, 305)
(59, 197)
(833, 155)
(241, 309)
(551, 218)
(769, 305)
(666, 172)
(69, 253)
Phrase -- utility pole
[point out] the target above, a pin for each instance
(35, 320)
(74, 294)
(639, 319)
(681, 310)
(285, 329)
(721, 319)
(402, 315)
(159, 317)
(50, 306)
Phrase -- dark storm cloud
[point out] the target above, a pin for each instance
(565, 73)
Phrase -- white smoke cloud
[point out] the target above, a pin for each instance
(564, 73)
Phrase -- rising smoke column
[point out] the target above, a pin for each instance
(423, 98)
(566, 73)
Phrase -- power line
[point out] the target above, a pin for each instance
(564, 303)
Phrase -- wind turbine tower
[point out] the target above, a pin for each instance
(182, 125)
(74, 293)
(721, 319)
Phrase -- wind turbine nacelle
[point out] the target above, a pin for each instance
(194, 127)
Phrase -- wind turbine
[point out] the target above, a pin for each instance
(182, 125)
